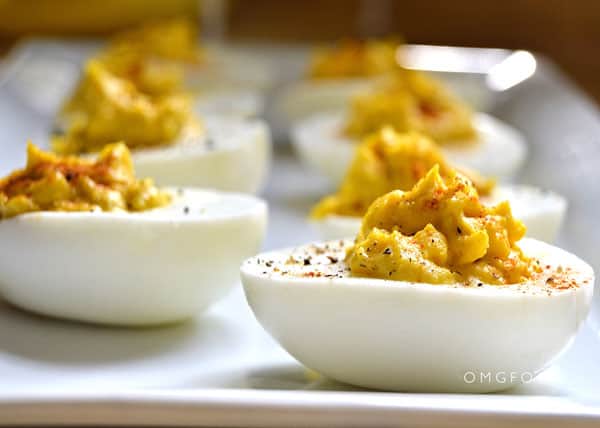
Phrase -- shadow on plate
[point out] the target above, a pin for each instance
(280, 376)
(67, 343)
(294, 378)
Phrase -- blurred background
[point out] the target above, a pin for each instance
(566, 31)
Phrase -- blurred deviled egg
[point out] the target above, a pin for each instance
(86, 240)
(168, 142)
(410, 101)
(169, 52)
(337, 73)
(437, 293)
(388, 160)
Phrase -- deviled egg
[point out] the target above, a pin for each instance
(388, 160)
(410, 101)
(86, 240)
(168, 142)
(438, 292)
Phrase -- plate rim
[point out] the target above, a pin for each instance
(241, 407)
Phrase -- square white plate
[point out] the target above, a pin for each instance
(222, 369)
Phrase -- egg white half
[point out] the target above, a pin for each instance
(121, 268)
(232, 155)
(236, 103)
(500, 150)
(230, 68)
(397, 335)
(305, 98)
(541, 211)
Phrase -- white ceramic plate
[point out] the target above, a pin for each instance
(222, 369)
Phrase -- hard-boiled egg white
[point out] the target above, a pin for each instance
(230, 68)
(403, 336)
(541, 211)
(305, 98)
(124, 268)
(231, 154)
(236, 103)
(499, 151)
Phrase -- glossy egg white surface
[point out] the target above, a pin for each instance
(120, 268)
(499, 152)
(402, 336)
(542, 212)
(232, 155)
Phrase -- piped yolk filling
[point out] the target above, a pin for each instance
(175, 39)
(53, 183)
(412, 101)
(107, 108)
(151, 76)
(132, 91)
(152, 57)
(439, 232)
(354, 58)
(386, 161)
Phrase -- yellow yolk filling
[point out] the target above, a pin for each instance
(133, 90)
(386, 161)
(107, 108)
(439, 232)
(150, 75)
(53, 183)
(152, 56)
(411, 101)
(175, 39)
(352, 58)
